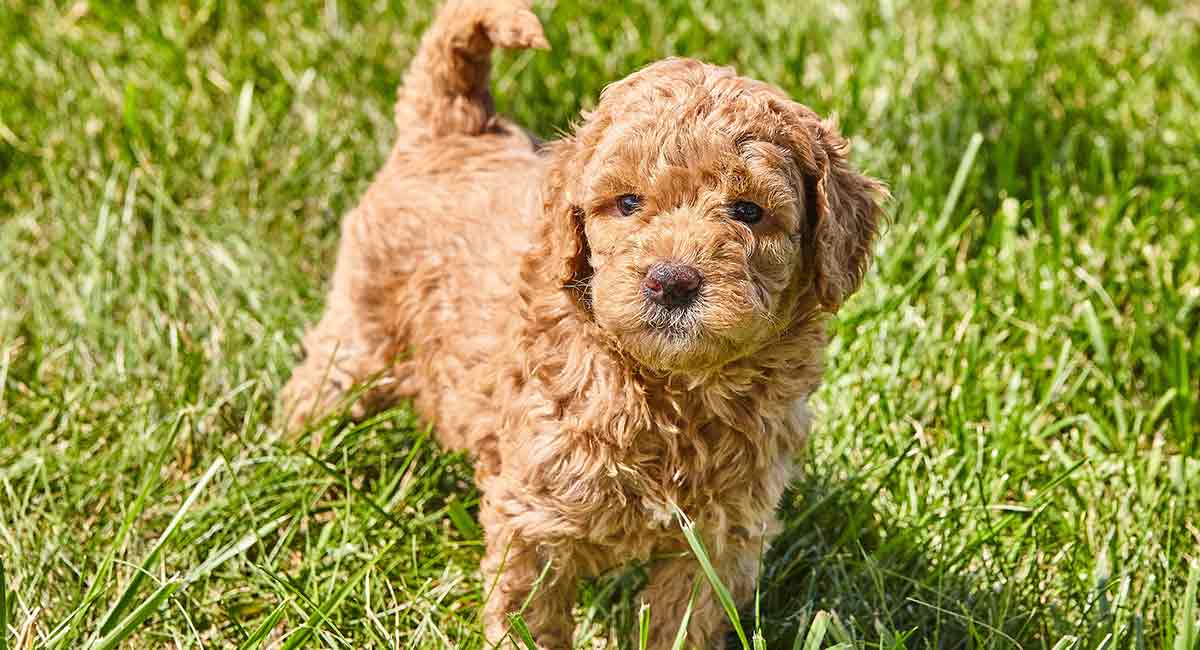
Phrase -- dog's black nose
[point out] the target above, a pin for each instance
(672, 285)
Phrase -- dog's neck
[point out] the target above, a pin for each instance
(772, 376)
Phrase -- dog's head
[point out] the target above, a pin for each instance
(696, 215)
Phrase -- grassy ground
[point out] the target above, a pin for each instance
(1006, 453)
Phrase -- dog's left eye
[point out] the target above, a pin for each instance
(627, 204)
(746, 212)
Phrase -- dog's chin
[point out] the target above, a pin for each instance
(678, 344)
(693, 338)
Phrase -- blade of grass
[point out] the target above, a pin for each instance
(719, 588)
(960, 180)
(681, 633)
(816, 632)
(3, 608)
(58, 635)
(333, 473)
(1187, 629)
(1096, 332)
(759, 642)
(516, 625)
(839, 631)
(643, 626)
(99, 582)
(256, 639)
(136, 580)
(234, 549)
(463, 520)
(322, 614)
(142, 612)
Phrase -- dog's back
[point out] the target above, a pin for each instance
(426, 276)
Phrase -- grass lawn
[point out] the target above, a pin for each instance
(1006, 452)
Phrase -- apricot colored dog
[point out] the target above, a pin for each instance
(623, 320)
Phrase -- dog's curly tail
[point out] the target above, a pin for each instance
(445, 91)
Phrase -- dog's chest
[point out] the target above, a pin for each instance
(611, 474)
(719, 477)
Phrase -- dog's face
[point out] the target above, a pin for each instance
(699, 214)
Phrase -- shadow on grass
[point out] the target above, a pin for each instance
(838, 553)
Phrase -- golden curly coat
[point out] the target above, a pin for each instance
(514, 290)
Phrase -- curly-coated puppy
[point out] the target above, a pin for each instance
(624, 320)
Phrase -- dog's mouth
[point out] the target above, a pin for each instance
(678, 324)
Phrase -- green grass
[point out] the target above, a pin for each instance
(1007, 446)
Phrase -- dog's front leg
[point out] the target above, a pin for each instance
(522, 577)
(670, 588)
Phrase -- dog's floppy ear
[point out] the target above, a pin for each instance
(843, 213)
(563, 241)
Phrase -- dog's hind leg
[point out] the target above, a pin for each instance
(350, 352)
(445, 91)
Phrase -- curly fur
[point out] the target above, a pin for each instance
(491, 279)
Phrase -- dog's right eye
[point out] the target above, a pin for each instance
(627, 204)
(746, 212)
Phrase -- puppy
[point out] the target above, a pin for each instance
(613, 324)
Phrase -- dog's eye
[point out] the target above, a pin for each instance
(746, 212)
(627, 204)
